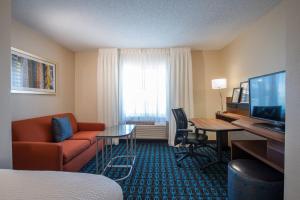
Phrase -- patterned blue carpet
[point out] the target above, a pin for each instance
(156, 175)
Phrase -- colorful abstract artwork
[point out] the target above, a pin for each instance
(31, 74)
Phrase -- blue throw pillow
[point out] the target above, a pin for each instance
(62, 129)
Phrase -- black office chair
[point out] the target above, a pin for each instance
(185, 136)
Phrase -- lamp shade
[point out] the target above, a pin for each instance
(219, 83)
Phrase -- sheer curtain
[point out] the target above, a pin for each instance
(144, 84)
(107, 86)
(181, 86)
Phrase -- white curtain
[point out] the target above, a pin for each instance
(144, 85)
(107, 87)
(181, 86)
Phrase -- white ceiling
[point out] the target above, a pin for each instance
(86, 24)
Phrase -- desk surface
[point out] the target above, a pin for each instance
(232, 116)
(214, 125)
(248, 124)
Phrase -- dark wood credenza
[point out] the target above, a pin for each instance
(270, 151)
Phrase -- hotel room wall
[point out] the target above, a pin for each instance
(292, 136)
(199, 83)
(206, 66)
(86, 85)
(29, 105)
(5, 114)
(213, 69)
(259, 50)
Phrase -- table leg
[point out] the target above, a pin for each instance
(225, 141)
(219, 150)
(135, 141)
(104, 143)
(109, 155)
(127, 150)
(131, 147)
(111, 141)
(106, 149)
(219, 145)
(97, 160)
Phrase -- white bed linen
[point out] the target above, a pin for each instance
(46, 185)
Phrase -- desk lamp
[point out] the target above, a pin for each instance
(219, 84)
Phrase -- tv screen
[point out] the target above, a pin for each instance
(267, 97)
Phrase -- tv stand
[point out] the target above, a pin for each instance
(273, 127)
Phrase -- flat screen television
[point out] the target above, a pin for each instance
(267, 100)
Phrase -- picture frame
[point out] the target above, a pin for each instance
(31, 74)
(244, 92)
(236, 95)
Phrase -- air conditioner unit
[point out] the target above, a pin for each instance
(151, 130)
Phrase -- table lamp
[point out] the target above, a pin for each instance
(218, 84)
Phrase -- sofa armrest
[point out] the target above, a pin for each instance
(91, 126)
(37, 156)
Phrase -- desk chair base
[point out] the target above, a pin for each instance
(190, 153)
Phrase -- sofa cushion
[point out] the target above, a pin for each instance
(61, 129)
(85, 135)
(38, 129)
(72, 148)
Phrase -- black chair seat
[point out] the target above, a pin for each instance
(193, 138)
(197, 139)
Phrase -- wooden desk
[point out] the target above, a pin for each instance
(215, 125)
(228, 117)
(269, 151)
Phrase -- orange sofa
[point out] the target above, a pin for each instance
(34, 149)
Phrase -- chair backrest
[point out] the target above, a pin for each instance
(180, 118)
(181, 123)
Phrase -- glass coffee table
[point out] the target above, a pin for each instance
(121, 131)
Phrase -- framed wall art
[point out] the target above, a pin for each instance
(32, 74)
(244, 92)
(236, 94)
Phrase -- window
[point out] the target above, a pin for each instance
(143, 86)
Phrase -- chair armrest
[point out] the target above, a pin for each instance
(192, 124)
(37, 156)
(184, 130)
(91, 126)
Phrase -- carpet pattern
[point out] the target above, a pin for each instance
(156, 175)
